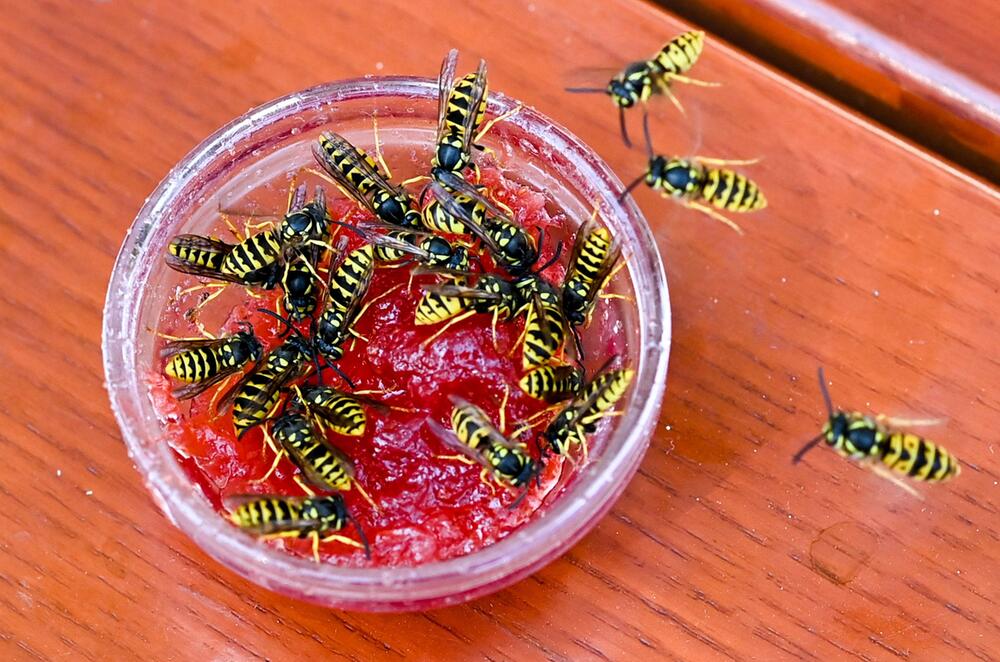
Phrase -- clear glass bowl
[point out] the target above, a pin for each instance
(276, 137)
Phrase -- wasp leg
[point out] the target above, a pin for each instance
(378, 148)
(693, 81)
(455, 320)
(665, 89)
(490, 124)
(364, 495)
(456, 458)
(883, 472)
(725, 162)
(484, 476)
(897, 422)
(274, 465)
(336, 537)
(305, 488)
(713, 214)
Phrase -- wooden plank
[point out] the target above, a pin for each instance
(874, 260)
(926, 70)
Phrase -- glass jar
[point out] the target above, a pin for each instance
(276, 137)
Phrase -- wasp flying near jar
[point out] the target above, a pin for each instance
(202, 363)
(271, 516)
(865, 438)
(593, 402)
(360, 177)
(461, 110)
(696, 184)
(639, 81)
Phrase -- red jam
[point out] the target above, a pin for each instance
(429, 509)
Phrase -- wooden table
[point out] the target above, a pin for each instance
(875, 260)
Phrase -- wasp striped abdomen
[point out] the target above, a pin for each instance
(322, 464)
(552, 383)
(731, 191)
(255, 259)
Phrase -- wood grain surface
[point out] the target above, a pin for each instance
(927, 70)
(874, 260)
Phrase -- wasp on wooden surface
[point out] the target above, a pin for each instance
(863, 438)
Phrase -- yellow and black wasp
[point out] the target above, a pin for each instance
(638, 81)
(256, 397)
(552, 383)
(477, 440)
(300, 285)
(323, 465)
(461, 110)
(343, 413)
(594, 256)
(865, 438)
(592, 403)
(452, 303)
(511, 246)
(348, 283)
(414, 245)
(360, 177)
(696, 184)
(270, 516)
(212, 258)
(203, 362)
(545, 324)
(436, 218)
(304, 222)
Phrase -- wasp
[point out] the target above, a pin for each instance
(202, 363)
(454, 302)
(347, 286)
(545, 325)
(304, 222)
(212, 258)
(256, 397)
(477, 440)
(866, 438)
(639, 81)
(360, 177)
(436, 217)
(511, 246)
(270, 516)
(430, 250)
(342, 412)
(461, 110)
(696, 184)
(552, 383)
(299, 282)
(594, 255)
(323, 465)
(592, 403)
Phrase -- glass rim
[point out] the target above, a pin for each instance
(525, 549)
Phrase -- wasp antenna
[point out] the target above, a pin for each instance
(361, 535)
(340, 372)
(579, 346)
(285, 320)
(645, 132)
(805, 449)
(624, 129)
(586, 90)
(825, 392)
(628, 189)
(555, 256)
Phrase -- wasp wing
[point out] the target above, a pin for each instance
(446, 79)
(452, 206)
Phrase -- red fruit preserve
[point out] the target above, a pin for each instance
(427, 507)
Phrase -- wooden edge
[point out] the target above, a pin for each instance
(864, 69)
